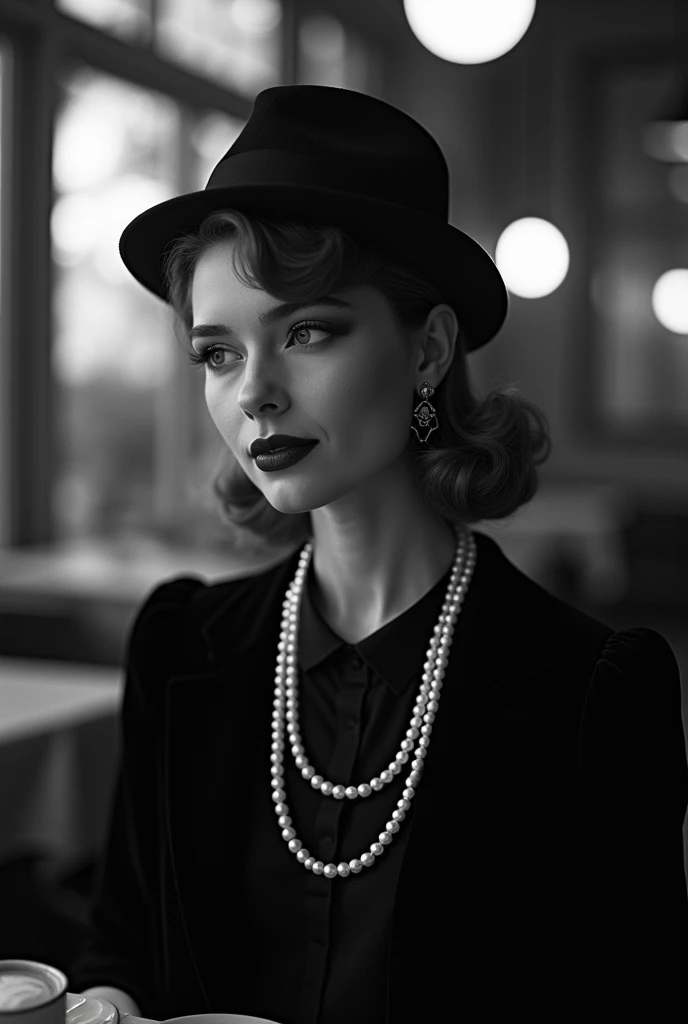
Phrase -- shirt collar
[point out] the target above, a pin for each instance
(396, 652)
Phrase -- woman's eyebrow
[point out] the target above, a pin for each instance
(272, 315)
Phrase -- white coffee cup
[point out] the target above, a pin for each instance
(31, 993)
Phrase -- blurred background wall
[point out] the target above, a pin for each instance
(568, 150)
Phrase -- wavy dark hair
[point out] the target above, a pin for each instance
(480, 464)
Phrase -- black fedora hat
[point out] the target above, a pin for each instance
(324, 154)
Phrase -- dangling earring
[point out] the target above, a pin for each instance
(424, 412)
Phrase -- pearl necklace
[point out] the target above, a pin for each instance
(286, 704)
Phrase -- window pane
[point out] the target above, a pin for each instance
(5, 423)
(233, 42)
(330, 54)
(127, 19)
(115, 154)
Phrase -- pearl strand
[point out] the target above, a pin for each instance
(290, 703)
(286, 705)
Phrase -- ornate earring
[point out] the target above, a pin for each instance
(425, 412)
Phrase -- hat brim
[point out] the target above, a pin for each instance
(458, 265)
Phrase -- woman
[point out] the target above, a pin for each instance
(521, 845)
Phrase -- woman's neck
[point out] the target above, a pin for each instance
(362, 579)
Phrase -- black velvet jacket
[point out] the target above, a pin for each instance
(540, 867)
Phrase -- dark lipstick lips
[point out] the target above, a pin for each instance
(263, 445)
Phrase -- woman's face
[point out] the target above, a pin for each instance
(346, 381)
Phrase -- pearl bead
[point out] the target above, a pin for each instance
(284, 820)
(409, 793)
(308, 863)
(386, 776)
(318, 867)
(308, 771)
(278, 795)
(392, 826)
(343, 869)
(367, 860)
(377, 784)
(303, 855)
(364, 789)
(339, 792)
(281, 808)
(385, 838)
(295, 845)
(326, 788)
(355, 865)
(351, 792)
(288, 833)
(317, 781)
(330, 871)
(377, 849)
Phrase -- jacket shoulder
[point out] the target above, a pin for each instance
(160, 635)
(636, 667)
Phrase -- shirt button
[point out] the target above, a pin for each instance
(355, 661)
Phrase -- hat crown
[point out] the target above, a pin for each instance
(354, 142)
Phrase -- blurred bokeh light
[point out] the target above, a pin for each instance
(469, 31)
(532, 256)
(670, 300)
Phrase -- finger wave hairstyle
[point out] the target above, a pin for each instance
(479, 464)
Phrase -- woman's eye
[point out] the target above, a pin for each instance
(299, 334)
(307, 328)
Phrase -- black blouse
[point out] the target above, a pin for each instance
(325, 942)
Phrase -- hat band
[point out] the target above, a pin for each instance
(281, 167)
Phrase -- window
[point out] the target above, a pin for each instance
(117, 445)
(114, 156)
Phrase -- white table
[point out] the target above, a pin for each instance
(59, 751)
